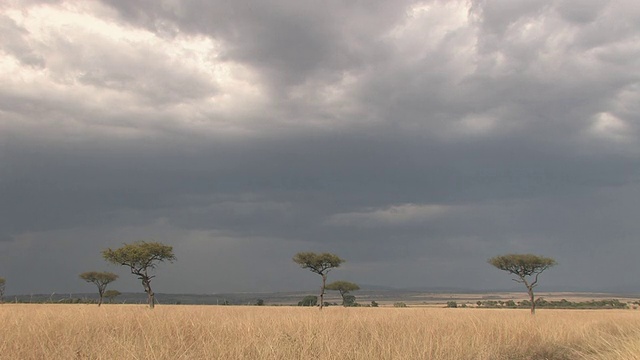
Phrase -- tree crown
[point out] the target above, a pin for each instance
(522, 264)
(112, 293)
(342, 286)
(98, 277)
(318, 263)
(140, 255)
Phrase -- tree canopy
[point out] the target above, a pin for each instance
(140, 255)
(522, 265)
(318, 263)
(343, 286)
(98, 277)
(112, 294)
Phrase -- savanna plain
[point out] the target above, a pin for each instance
(59, 331)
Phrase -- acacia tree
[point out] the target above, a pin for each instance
(111, 294)
(344, 287)
(142, 257)
(320, 264)
(527, 268)
(2, 283)
(100, 279)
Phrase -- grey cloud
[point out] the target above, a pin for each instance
(15, 42)
(582, 12)
(288, 41)
(416, 144)
(292, 180)
(136, 68)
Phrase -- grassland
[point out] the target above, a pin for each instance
(34, 331)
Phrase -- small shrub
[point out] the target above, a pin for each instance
(400, 305)
(349, 301)
(309, 300)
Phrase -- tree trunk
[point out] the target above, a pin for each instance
(324, 282)
(146, 283)
(100, 300)
(533, 301)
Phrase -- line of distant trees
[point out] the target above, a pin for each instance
(554, 304)
(142, 257)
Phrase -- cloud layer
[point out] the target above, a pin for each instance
(414, 139)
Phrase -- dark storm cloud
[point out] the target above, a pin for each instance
(414, 139)
(288, 40)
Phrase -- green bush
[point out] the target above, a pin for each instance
(309, 300)
(350, 301)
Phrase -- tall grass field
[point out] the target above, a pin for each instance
(35, 331)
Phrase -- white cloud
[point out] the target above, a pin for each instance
(609, 126)
(109, 79)
(391, 216)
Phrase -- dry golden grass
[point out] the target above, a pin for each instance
(227, 332)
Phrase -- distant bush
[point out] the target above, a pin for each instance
(560, 304)
(350, 300)
(112, 294)
(374, 304)
(489, 304)
(400, 305)
(452, 304)
(309, 300)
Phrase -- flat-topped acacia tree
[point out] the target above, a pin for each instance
(100, 279)
(112, 294)
(320, 264)
(142, 257)
(527, 268)
(344, 288)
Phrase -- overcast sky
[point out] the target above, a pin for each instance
(414, 139)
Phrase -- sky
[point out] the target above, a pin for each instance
(413, 139)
